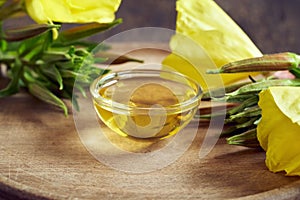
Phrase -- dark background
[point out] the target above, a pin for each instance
(273, 25)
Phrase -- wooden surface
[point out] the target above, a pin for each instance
(42, 157)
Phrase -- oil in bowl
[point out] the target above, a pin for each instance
(145, 104)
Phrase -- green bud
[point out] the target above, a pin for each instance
(269, 62)
(23, 33)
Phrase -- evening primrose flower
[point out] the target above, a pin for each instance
(279, 129)
(72, 11)
(209, 27)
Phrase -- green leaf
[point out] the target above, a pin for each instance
(3, 45)
(53, 73)
(295, 71)
(264, 84)
(248, 139)
(55, 56)
(73, 34)
(32, 48)
(75, 103)
(247, 103)
(13, 86)
(47, 96)
(65, 73)
(220, 92)
(82, 90)
(34, 76)
(254, 111)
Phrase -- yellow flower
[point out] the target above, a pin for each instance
(72, 11)
(279, 129)
(208, 26)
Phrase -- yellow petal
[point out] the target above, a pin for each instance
(288, 101)
(183, 59)
(278, 131)
(74, 11)
(211, 28)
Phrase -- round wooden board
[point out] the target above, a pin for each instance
(42, 157)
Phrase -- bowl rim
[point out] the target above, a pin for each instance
(120, 107)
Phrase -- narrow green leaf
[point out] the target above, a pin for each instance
(47, 96)
(55, 56)
(34, 74)
(247, 103)
(264, 84)
(32, 48)
(13, 86)
(65, 73)
(31, 55)
(66, 65)
(75, 103)
(101, 60)
(81, 89)
(247, 113)
(295, 71)
(53, 73)
(81, 52)
(3, 45)
(247, 139)
(220, 92)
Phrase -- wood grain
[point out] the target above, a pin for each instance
(42, 157)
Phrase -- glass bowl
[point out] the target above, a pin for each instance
(145, 104)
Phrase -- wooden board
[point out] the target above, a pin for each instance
(42, 157)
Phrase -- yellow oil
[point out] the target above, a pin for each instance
(156, 96)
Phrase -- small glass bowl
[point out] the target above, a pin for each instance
(145, 104)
